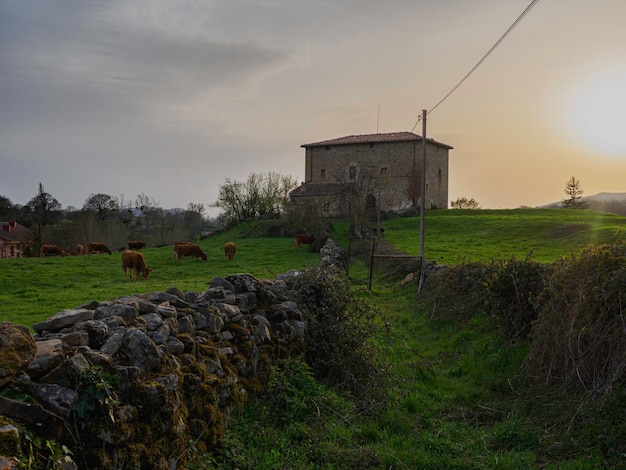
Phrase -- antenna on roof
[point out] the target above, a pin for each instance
(378, 118)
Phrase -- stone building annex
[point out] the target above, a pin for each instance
(380, 171)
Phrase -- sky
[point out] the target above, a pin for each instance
(170, 98)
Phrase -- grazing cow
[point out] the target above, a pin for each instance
(95, 247)
(134, 261)
(188, 249)
(229, 250)
(303, 239)
(52, 250)
(80, 249)
(178, 243)
(136, 245)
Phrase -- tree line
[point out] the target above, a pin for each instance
(115, 219)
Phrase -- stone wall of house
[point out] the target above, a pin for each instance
(400, 184)
(130, 383)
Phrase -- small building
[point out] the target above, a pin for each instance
(16, 241)
(377, 171)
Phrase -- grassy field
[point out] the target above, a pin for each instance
(37, 288)
(455, 236)
(457, 401)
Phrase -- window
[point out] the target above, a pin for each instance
(383, 171)
(352, 172)
(326, 207)
(439, 176)
(323, 173)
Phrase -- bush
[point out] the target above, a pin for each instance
(340, 336)
(513, 288)
(457, 292)
(579, 339)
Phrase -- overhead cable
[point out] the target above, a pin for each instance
(515, 23)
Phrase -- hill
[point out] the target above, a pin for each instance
(599, 198)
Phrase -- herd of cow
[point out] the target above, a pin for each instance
(133, 260)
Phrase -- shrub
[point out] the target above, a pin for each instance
(513, 289)
(457, 292)
(579, 338)
(341, 330)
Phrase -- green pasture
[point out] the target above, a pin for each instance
(455, 236)
(457, 400)
(34, 289)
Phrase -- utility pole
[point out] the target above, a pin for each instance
(423, 201)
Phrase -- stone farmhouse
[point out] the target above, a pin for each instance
(381, 171)
(15, 240)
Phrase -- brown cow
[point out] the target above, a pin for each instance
(136, 245)
(134, 261)
(303, 239)
(229, 250)
(188, 249)
(80, 249)
(177, 243)
(96, 247)
(52, 250)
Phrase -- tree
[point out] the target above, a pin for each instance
(8, 211)
(101, 204)
(464, 203)
(146, 203)
(261, 195)
(45, 210)
(193, 216)
(575, 193)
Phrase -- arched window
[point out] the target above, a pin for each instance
(370, 202)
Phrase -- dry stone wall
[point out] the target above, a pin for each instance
(130, 383)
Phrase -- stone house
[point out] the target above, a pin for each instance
(378, 171)
(16, 240)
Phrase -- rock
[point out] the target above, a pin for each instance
(127, 313)
(150, 372)
(17, 350)
(63, 319)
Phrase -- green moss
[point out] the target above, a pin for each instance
(248, 348)
(240, 332)
(9, 440)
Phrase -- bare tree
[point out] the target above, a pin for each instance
(262, 194)
(146, 203)
(357, 189)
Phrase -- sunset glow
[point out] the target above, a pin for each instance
(598, 115)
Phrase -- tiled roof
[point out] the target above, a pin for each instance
(12, 231)
(317, 189)
(375, 138)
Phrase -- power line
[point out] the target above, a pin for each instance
(511, 28)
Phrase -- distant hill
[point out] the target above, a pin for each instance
(600, 197)
(607, 197)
